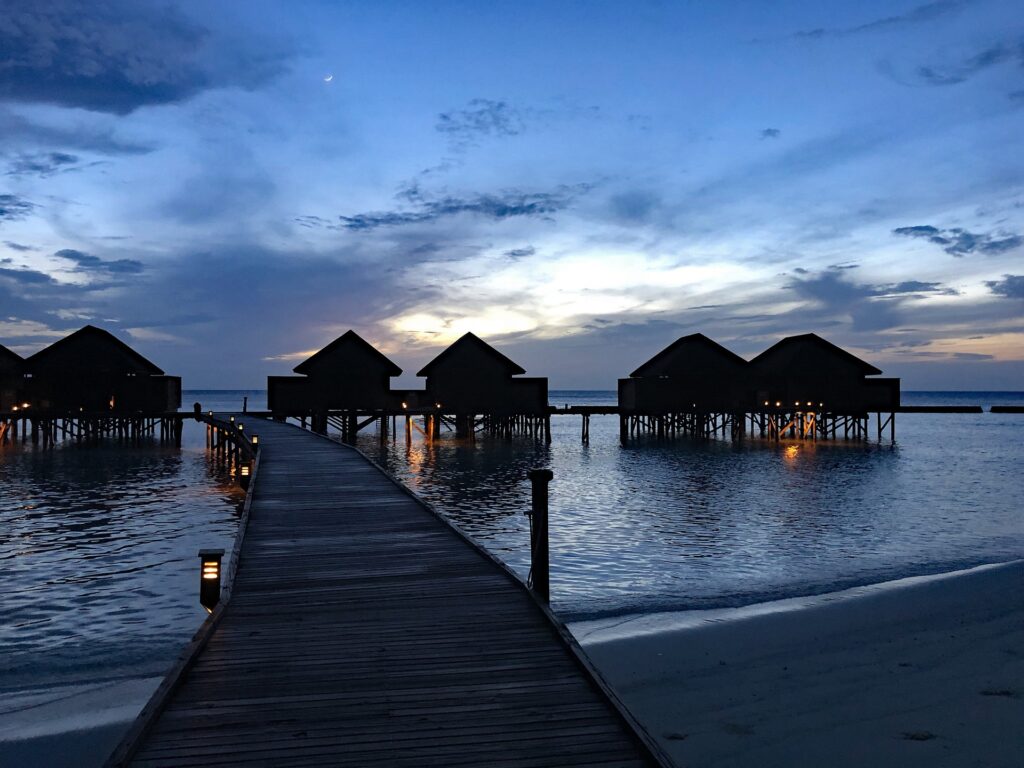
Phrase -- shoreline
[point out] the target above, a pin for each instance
(922, 671)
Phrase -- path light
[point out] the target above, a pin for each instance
(255, 440)
(244, 473)
(209, 577)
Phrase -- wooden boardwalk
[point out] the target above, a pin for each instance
(363, 631)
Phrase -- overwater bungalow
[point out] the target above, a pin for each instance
(92, 371)
(808, 372)
(693, 373)
(471, 378)
(11, 378)
(349, 374)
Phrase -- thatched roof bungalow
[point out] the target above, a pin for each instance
(347, 374)
(472, 377)
(808, 371)
(692, 373)
(93, 371)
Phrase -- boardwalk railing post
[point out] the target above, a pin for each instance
(539, 571)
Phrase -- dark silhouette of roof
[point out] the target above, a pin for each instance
(9, 360)
(806, 350)
(677, 354)
(466, 343)
(73, 348)
(350, 350)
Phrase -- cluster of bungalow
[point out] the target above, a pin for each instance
(803, 372)
(468, 378)
(90, 371)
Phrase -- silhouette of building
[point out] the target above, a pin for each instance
(807, 371)
(93, 371)
(11, 379)
(693, 373)
(349, 374)
(472, 377)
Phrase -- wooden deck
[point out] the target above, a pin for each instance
(363, 631)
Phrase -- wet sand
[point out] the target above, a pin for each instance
(923, 672)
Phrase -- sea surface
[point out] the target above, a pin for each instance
(98, 567)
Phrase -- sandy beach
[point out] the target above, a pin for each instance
(922, 672)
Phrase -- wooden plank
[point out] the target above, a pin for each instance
(365, 630)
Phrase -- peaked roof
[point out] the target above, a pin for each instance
(680, 345)
(8, 358)
(100, 335)
(472, 341)
(792, 346)
(347, 344)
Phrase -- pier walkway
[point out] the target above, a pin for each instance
(363, 631)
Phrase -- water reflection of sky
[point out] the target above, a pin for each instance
(98, 555)
(687, 523)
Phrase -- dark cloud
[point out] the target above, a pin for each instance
(86, 262)
(972, 356)
(989, 57)
(504, 205)
(520, 253)
(1016, 97)
(114, 55)
(42, 164)
(916, 15)
(770, 133)
(13, 208)
(634, 206)
(1011, 286)
(78, 135)
(19, 246)
(915, 287)
(25, 276)
(959, 242)
(481, 117)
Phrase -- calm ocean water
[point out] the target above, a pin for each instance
(98, 566)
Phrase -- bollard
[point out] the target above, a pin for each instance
(539, 570)
(209, 577)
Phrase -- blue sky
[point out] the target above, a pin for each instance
(230, 186)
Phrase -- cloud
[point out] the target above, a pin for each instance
(915, 287)
(504, 205)
(481, 117)
(635, 206)
(77, 135)
(989, 57)
(959, 242)
(42, 164)
(114, 56)
(515, 254)
(770, 133)
(14, 208)
(917, 15)
(1011, 286)
(25, 276)
(19, 246)
(87, 263)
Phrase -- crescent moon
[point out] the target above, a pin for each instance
(328, 78)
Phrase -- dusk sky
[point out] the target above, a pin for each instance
(229, 186)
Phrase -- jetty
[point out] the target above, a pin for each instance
(360, 628)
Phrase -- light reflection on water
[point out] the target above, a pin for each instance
(685, 524)
(98, 561)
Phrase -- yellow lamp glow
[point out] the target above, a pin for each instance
(209, 577)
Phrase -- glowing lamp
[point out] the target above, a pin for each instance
(244, 473)
(809, 404)
(209, 577)
(25, 405)
(778, 404)
(821, 405)
(797, 403)
(255, 440)
(15, 408)
(766, 402)
(232, 419)
(210, 414)
(437, 405)
(405, 405)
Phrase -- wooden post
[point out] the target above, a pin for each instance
(539, 566)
